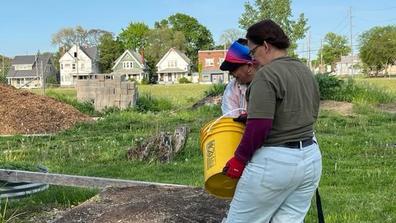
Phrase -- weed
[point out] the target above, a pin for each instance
(215, 90)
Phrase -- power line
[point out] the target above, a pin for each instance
(376, 10)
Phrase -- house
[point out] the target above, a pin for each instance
(173, 66)
(344, 66)
(209, 62)
(132, 65)
(28, 71)
(78, 63)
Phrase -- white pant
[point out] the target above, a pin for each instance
(277, 185)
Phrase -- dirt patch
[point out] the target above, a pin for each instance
(391, 107)
(209, 100)
(149, 204)
(343, 108)
(22, 112)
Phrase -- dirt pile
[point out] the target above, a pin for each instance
(148, 204)
(22, 112)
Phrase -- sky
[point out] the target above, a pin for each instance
(27, 26)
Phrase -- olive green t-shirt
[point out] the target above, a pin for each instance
(285, 90)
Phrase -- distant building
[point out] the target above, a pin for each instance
(132, 65)
(28, 71)
(345, 65)
(209, 62)
(173, 66)
(78, 63)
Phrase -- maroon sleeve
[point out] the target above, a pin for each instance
(256, 132)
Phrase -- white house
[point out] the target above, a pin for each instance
(132, 65)
(173, 66)
(28, 71)
(344, 66)
(78, 63)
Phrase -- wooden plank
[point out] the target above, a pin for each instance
(73, 180)
(30, 135)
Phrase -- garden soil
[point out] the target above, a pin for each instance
(145, 204)
(23, 112)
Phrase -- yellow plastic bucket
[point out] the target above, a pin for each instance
(219, 140)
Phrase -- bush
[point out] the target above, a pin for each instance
(145, 80)
(332, 88)
(3, 79)
(147, 102)
(52, 80)
(358, 92)
(329, 85)
(184, 80)
(215, 90)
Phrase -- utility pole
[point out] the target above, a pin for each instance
(321, 56)
(42, 77)
(350, 27)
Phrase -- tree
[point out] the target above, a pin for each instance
(334, 47)
(160, 40)
(230, 35)
(280, 12)
(378, 48)
(5, 64)
(67, 37)
(197, 36)
(109, 50)
(134, 36)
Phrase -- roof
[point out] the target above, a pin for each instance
(178, 52)
(182, 55)
(172, 70)
(134, 54)
(90, 51)
(28, 59)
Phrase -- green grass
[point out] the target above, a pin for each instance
(180, 95)
(386, 83)
(359, 156)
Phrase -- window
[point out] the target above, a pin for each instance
(75, 54)
(172, 63)
(127, 64)
(74, 66)
(209, 62)
(61, 66)
(23, 67)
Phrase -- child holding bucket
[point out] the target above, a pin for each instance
(277, 159)
(239, 64)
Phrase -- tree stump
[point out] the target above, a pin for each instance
(162, 147)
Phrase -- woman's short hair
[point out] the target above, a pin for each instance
(270, 32)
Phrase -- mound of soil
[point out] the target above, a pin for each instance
(148, 204)
(22, 112)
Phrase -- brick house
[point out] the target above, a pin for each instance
(209, 62)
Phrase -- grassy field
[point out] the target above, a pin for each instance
(359, 156)
(385, 82)
(181, 95)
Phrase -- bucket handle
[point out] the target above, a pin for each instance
(227, 113)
